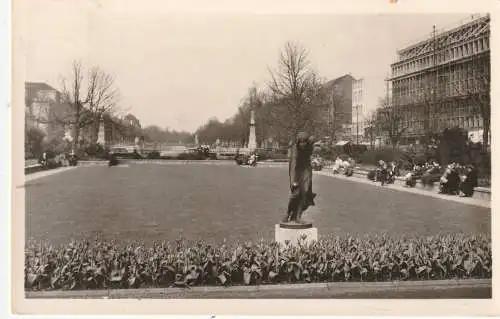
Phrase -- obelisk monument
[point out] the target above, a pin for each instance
(252, 141)
(101, 134)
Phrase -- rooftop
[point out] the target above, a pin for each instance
(440, 33)
(32, 88)
(339, 79)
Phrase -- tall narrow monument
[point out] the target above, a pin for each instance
(252, 141)
(101, 134)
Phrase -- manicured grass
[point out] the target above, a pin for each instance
(150, 202)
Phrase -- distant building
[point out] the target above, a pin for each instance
(358, 111)
(43, 104)
(46, 110)
(443, 81)
(339, 113)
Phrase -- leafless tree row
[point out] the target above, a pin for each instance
(295, 99)
(88, 96)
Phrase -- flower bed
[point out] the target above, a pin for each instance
(101, 265)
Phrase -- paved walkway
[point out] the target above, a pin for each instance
(477, 288)
(462, 200)
(37, 175)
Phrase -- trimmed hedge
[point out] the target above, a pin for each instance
(101, 265)
(386, 154)
(276, 155)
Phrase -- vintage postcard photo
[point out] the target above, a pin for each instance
(251, 155)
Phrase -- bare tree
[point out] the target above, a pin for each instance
(295, 91)
(474, 85)
(85, 101)
(102, 96)
(371, 128)
(75, 100)
(390, 120)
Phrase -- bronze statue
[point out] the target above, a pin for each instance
(300, 172)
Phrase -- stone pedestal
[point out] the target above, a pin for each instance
(293, 232)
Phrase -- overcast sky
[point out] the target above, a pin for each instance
(177, 70)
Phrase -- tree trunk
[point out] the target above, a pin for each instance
(95, 126)
(76, 130)
(76, 137)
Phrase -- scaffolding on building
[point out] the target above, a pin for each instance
(440, 75)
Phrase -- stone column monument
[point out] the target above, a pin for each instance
(252, 140)
(101, 133)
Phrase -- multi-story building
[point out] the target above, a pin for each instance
(444, 82)
(358, 111)
(339, 94)
(42, 104)
(46, 110)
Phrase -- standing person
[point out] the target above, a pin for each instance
(382, 172)
(44, 158)
(300, 173)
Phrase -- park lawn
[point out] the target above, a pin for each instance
(152, 202)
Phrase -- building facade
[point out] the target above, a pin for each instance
(42, 104)
(444, 82)
(339, 96)
(46, 111)
(358, 111)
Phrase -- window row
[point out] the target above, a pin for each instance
(442, 123)
(465, 73)
(449, 88)
(445, 110)
(462, 121)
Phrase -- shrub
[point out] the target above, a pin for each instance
(102, 265)
(279, 155)
(33, 141)
(153, 155)
(386, 154)
(96, 151)
(191, 156)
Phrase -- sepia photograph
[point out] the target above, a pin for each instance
(195, 155)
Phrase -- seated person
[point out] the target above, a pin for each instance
(449, 182)
(410, 179)
(252, 159)
(113, 160)
(468, 181)
(349, 171)
(337, 165)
